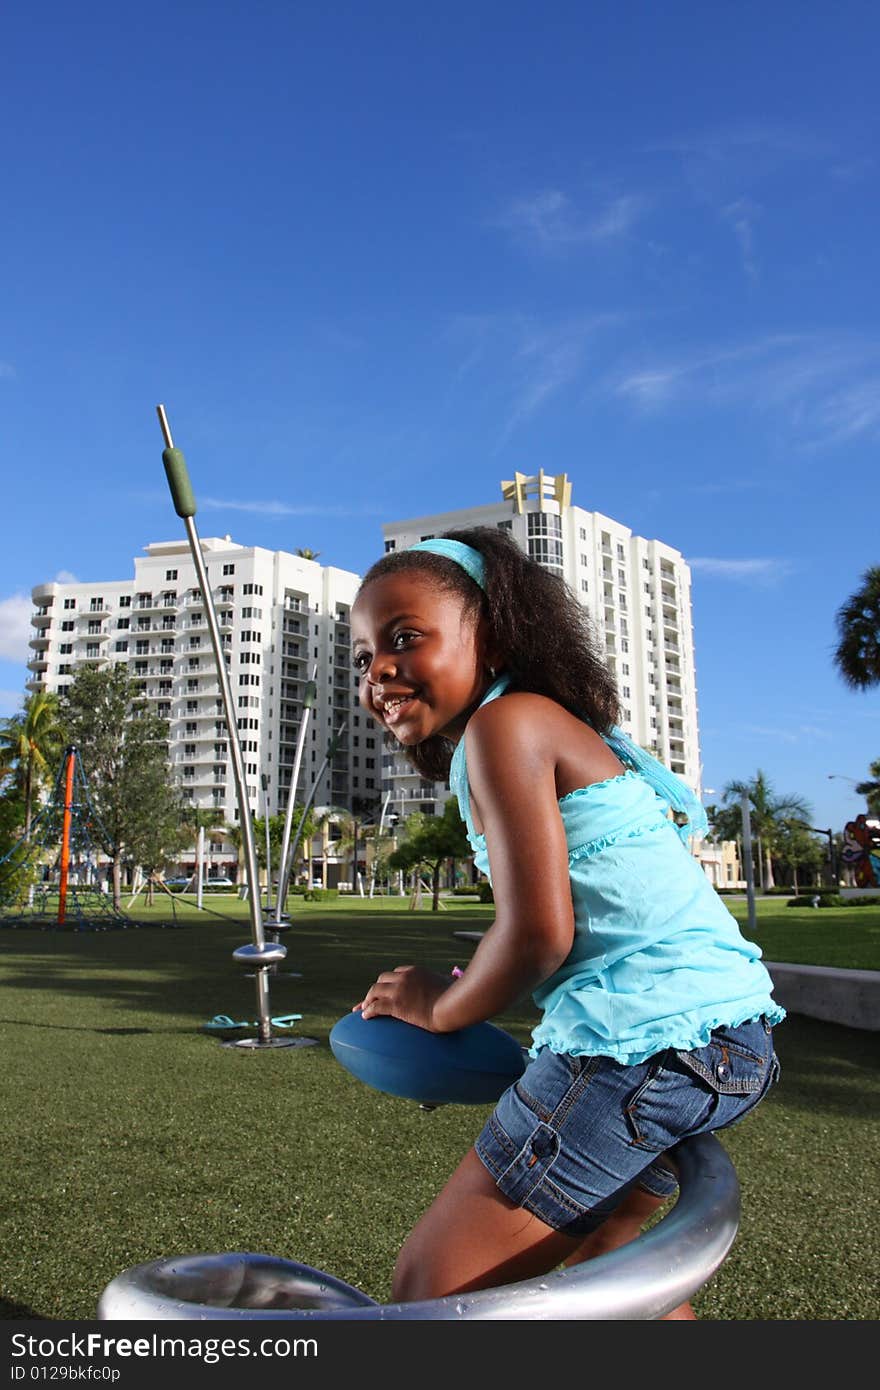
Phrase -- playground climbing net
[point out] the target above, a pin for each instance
(52, 878)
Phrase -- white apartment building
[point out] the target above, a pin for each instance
(638, 593)
(284, 620)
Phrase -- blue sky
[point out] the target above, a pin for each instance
(375, 257)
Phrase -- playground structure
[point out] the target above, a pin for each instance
(59, 878)
(640, 1281)
(259, 955)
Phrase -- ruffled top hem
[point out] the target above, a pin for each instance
(680, 1041)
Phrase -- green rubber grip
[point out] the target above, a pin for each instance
(309, 697)
(179, 483)
(335, 742)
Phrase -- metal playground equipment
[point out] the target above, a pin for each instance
(641, 1281)
(259, 955)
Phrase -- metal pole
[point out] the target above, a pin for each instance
(378, 838)
(331, 749)
(265, 781)
(185, 506)
(200, 866)
(747, 856)
(283, 870)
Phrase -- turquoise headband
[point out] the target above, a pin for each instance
(471, 560)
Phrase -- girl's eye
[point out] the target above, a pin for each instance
(360, 660)
(401, 639)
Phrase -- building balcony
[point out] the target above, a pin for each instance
(97, 610)
(39, 643)
(41, 618)
(38, 662)
(35, 684)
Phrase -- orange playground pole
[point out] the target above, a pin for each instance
(65, 837)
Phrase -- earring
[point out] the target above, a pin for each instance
(491, 673)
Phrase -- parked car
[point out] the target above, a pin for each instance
(219, 883)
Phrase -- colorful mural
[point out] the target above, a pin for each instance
(861, 851)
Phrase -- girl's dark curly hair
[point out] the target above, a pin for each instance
(545, 636)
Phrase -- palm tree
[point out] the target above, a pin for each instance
(768, 814)
(306, 554)
(196, 818)
(31, 742)
(871, 789)
(857, 655)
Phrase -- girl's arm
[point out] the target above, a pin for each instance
(511, 759)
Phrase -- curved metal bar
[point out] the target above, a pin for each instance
(640, 1281)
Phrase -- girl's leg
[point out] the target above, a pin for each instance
(473, 1237)
(622, 1226)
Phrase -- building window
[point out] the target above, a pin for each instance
(390, 545)
(252, 589)
(545, 539)
(70, 603)
(583, 533)
(229, 569)
(125, 601)
(68, 626)
(170, 575)
(66, 649)
(123, 623)
(620, 551)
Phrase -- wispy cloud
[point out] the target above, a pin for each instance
(7, 371)
(280, 509)
(767, 570)
(15, 627)
(826, 391)
(797, 733)
(742, 215)
(526, 361)
(551, 221)
(720, 162)
(65, 577)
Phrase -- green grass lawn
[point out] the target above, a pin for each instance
(128, 1132)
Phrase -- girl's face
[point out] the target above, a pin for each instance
(421, 658)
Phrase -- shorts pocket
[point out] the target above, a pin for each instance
(707, 1088)
(734, 1062)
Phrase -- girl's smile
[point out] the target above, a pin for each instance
(421, 657)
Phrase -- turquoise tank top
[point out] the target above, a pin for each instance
(657, 960)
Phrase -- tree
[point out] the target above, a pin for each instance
(306, 554)
(871, 789)
(797, 849)
(429, 840)
(857, 655)
(31, 743)
(768, 812)
(124, 752)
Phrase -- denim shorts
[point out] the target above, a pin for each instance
(575, 1134)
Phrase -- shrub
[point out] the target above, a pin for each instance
(466, 891)
(320, 895)
(486, 894)
(825, 900)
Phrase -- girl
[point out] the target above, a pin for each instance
(656, 1013)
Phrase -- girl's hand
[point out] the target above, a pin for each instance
(409, 992)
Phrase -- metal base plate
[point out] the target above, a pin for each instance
(256, 1044)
